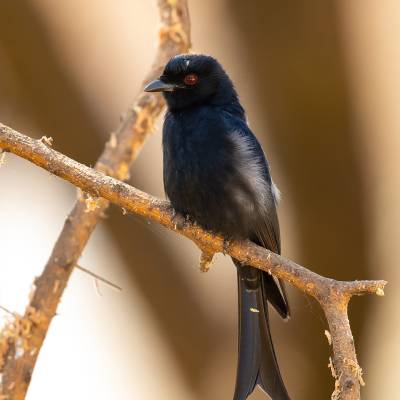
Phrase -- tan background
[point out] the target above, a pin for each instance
(319, 81)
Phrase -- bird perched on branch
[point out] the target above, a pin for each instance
(215, 172)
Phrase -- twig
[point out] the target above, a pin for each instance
(121, 150)
(98, 277)
(6, 310)
(332, 295)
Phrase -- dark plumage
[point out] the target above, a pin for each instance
(216, 173)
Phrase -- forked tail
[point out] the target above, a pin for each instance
(257, 363)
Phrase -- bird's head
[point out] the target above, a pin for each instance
(189, 80)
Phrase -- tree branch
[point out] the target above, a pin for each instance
(332, 295)
(18, 354)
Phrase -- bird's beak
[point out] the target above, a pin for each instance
(160, 86)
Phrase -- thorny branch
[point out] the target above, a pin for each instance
(21, 342)
(332, 295)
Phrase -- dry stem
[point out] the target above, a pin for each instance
(116, 159)
(332, 295)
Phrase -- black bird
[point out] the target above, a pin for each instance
(216, 173)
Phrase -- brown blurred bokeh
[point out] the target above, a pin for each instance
(319, 83)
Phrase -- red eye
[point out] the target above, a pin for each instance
(191, 79)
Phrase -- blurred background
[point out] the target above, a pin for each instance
(321, 87)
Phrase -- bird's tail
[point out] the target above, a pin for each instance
(257, 363)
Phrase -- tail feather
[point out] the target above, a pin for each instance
(257, 363)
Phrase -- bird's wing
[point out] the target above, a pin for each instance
(253, 166)
(268, 233)
(268, 236)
